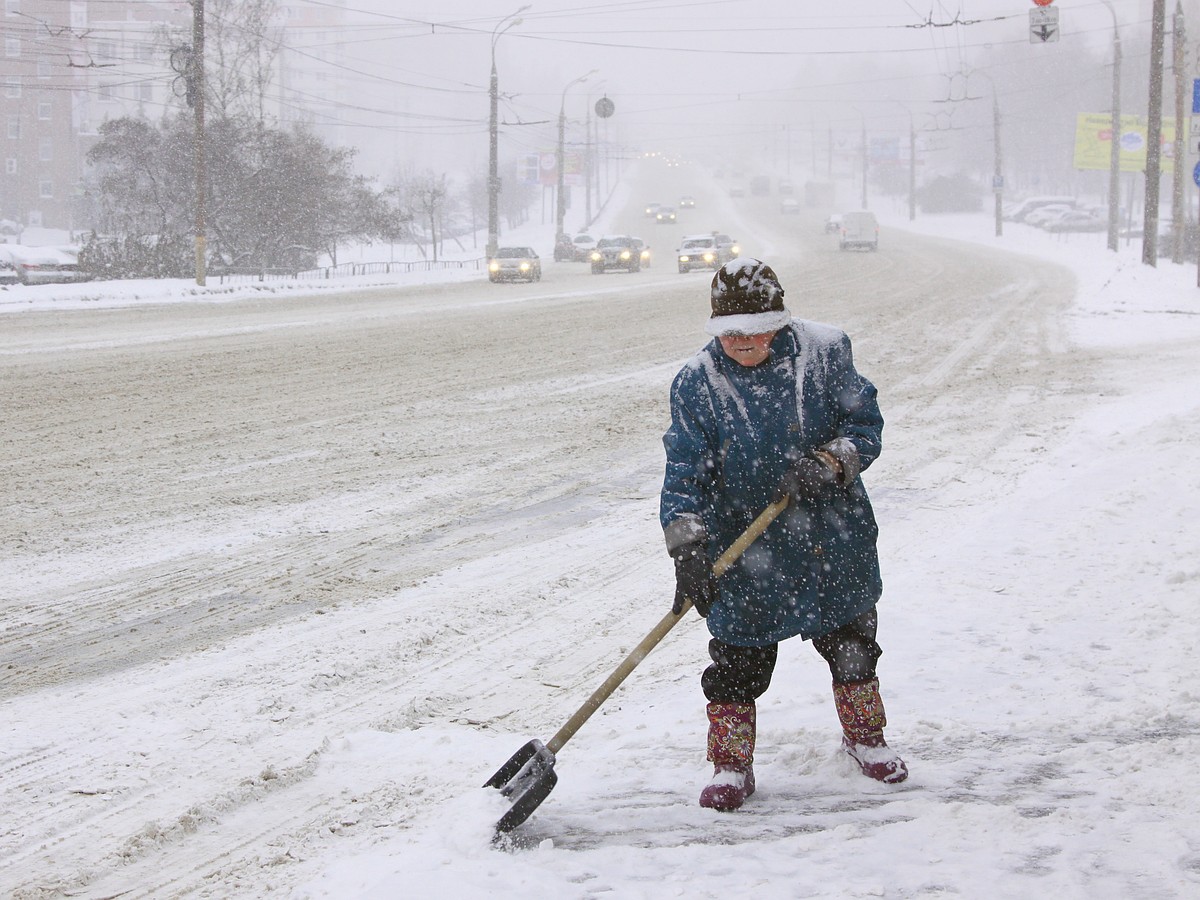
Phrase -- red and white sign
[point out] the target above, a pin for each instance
(1043, 2)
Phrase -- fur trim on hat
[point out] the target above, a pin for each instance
(752, 323)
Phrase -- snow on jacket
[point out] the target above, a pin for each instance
(734, 432)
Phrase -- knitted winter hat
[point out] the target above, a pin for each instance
(746, 299)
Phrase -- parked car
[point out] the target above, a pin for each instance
(705, 251)
(737, 191)
(43, 265)
(1017, 211)
(1077, 220)
(789, 206)
(514, 264)
(615, 251)
(665, 215)
(687, 201)
(859, 229)
(1046, 213)
(643, 250)
(584, 244)
(8, 272)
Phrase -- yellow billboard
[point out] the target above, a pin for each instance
(1093, 142)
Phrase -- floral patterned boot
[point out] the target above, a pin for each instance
(860, 709)
(731, 751)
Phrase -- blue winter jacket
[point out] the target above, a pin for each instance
(734, 432)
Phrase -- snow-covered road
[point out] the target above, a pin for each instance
(286, 577)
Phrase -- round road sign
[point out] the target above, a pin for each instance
(1196, 174)
(1043, 2)
(605, 107)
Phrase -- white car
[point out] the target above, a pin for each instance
(584, 245)
(43, 265)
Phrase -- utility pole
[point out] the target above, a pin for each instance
(1114, 160)
(197, 94)
(998, 172)
(1177, 212)
(1154, 135)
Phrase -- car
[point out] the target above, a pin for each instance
(665, 215)
(1018, 211)
(43, 265)
(687, 201)
(8, 272)
(737, 191)
(651, 209)
(615, 251)
(564, 248)
(833, 223)
(789, 206)
(1043, 214)
(860, 229)
(584, 244)
(786, 188)
(514, 264)
(643, 250)
(1077, 220)
(705, 251)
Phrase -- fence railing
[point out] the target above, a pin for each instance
(346, 270)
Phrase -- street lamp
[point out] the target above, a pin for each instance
(864, 155)
(1114, 158)
(560, 199)
(493, 138)
(912, 162)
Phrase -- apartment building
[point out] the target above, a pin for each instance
(66, 67)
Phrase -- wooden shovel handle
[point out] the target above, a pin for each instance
(659, 631)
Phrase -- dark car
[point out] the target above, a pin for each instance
(564, 248)
(651, 209)
(665, 215)
(687, 201)
(616, 251)
(515, 264)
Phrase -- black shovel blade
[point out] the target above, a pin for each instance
(526, 780)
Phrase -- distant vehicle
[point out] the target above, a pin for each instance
(833, 223)
(652, 208)
(1016, 212)
(615, 251)
(737, 191)
(514, 264)
(786, 188)
(859, 229)
(43, 265)
(584, 244)
(760, 185)
(705, 251)
(8, 272)
(564, 248)
(789, 206)
(643, 250)
(687, 201)
(665, 215)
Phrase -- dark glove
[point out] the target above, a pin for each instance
(805, 479)
(694, 579)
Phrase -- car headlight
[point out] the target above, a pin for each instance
(493, 266)
(645, 254)
(709, 256)
(524, 266)
(735, 250)
(685, 258)
(625, 254)
(597, 256)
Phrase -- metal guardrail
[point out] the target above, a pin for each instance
(346, 270)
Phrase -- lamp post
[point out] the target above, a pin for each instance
(864, 155)
(560, 198)
(912, 163)
(494, 138)
(997, 168)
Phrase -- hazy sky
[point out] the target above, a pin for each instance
(687, 76)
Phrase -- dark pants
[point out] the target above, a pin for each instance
(743, 674)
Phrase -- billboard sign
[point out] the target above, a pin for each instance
(1093, 142)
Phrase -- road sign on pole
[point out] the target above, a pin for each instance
(1195, 96)
(1043, 25)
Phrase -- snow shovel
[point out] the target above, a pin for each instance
(529, 777)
